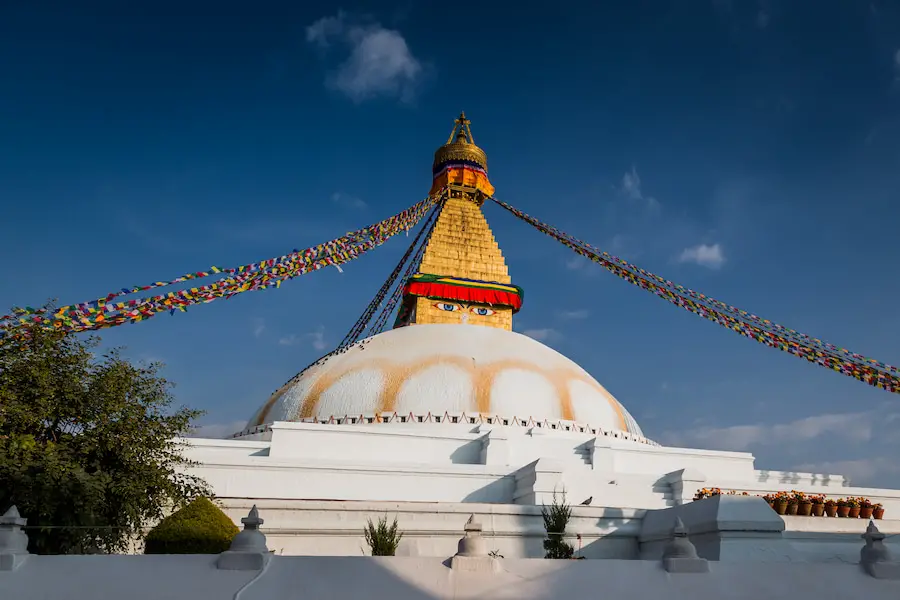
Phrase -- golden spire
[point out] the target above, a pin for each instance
(460, 146)
(463, 278)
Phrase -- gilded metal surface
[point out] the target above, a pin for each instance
(461, 145)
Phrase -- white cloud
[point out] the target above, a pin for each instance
(631, 188)
(218, 430)
(289, 340)
(259, 326)
(576, 263)
(325, 29)
(542, 335)
(850, 427)
(348, 201)
(573, 314)
(861, 446)
(316, 339)
(704, 255)
(865, 472)
(380, 62)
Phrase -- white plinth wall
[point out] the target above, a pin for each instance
(319, 484)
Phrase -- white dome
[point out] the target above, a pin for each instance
(436, 370)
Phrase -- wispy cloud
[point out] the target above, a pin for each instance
(858, 445)
(348, 201)
(710, 256)
(576, 263)
(259, 326)
(316, 339)
(542, 335)
(632, 189)
(573, 314)
(856, 427)
(380, 63)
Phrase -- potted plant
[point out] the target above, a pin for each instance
(770, 500)
(804, 505)
(707, 493)
(877, 511)
(793, 503)
(843, 508)
(817, 502)
(781, 503)
(831, 507)
(866, 508)
(853, 503)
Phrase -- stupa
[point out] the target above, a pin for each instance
(452, 413)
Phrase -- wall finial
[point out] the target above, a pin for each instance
(680, 555)
(248, 551)
(875, 557)
(13, 540)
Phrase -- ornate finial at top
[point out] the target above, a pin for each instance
(461, 129)
(252, 520)
(460, 146)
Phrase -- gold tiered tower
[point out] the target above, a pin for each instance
(463, 278)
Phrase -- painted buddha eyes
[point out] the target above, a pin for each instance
(481, 311)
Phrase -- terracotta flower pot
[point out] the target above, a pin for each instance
(854, 513)
(818, 510)
(804, 509)
(831, 510)
(792, 509)
(843, 511)
(781, 507)
(878, 513)
(866, 513)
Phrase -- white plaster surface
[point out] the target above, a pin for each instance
(440, 368)
(326, 480)
(177, 577)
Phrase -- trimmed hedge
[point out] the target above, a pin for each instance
(198, 528)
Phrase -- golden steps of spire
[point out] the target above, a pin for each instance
(462, 245)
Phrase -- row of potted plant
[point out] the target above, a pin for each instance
(817, 505)
(809, 505)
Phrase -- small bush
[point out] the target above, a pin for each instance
(382, 539)
(198, 528)
(556, 518)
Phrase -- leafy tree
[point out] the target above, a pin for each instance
(87, 443)
(199, 528)
(382, 538)
(556, 518)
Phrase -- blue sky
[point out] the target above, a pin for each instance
(748, 149)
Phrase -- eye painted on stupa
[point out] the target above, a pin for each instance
(447, 306)
(482, 311)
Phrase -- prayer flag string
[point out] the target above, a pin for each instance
(837, 359)
(107, 312)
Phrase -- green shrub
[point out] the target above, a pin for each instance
(382, 539)
(198, 528)
(556, 518)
